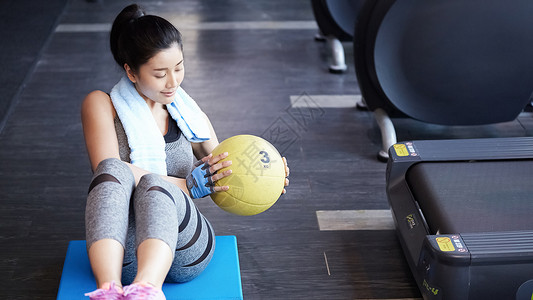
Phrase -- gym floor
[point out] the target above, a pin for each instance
(255, 68)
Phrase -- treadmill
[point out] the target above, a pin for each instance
(463, 211)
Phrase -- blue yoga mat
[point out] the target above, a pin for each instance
(220, 280)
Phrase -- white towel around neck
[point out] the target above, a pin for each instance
(147, 144)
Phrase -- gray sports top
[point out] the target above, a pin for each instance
(180, 158)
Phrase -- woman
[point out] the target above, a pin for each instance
(141, 140)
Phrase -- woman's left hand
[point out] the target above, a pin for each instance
(201, 181)
(287, 172)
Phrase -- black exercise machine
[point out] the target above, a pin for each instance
(463, 208)
(464, 215)
(453, 62)
(336, 19)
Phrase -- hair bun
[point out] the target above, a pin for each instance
(137, 13)
(131, 12)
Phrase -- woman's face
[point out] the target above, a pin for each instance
(159, 78)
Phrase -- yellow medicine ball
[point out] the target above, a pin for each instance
(257, 179)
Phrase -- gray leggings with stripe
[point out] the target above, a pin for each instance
(158, 209)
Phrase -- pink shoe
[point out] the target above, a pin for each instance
(110, 292)
(143, 291)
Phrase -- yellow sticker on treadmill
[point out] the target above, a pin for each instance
(401, 150)
(445, 244)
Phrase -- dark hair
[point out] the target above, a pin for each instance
(137, 37)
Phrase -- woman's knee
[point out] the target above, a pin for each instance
(154, 182)
(149, 180)
(113, 170)
(112, 165)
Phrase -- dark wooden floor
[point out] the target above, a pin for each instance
(243, 79)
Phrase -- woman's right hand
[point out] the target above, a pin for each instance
(201, 181)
